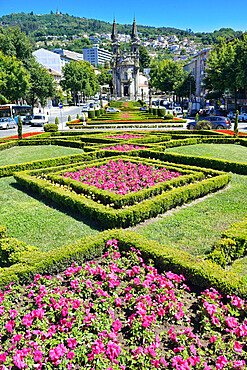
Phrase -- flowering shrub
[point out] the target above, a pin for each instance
(124, 148)
(126, 136)
(122, 177)
(119, 313)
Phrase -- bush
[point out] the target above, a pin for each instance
(91, 114)
(184, 115)
(51, 127)
(97, 113)
(151, 110)
(56, 121)
(19, 123)
(197, 117)
(203, 125)
(168, 116)
(77, 116)
(12, 249)
(69, 118)
(155, 112)
(236, 125)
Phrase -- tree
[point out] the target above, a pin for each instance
(41, 84)
(225, 70)
(14, 79)
(144, 58)
(165, 75)
(80, 77)
(185, 86)
(15, 43)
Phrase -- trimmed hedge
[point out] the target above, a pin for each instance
(12, 250)
(3, 232)
(232, 246)
(126, 217)
(198, 272)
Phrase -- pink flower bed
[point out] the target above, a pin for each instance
(122, 177)
(119, 314)
(126, 136)
(124, 148)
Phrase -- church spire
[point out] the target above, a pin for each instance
(134, 35)
(114, 35)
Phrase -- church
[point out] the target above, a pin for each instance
(127, 80)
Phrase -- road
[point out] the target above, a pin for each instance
(63, 114)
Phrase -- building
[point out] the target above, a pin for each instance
(48, 59)
(125, 67)
(68, 55)
(96, 56)
(198, 68)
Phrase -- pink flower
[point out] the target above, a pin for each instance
(240, 365)
(231, 322)
(118, 301)
(213, 339)
(116, 325)
(72, 343)
(221, 362)
(113, 350)
(70, 355)
(237, 347)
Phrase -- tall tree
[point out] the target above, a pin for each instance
(165, 74)
(144, 58)
(14, 79)
(80, 77)
(15, 43)
(41, 84)
(185, 86)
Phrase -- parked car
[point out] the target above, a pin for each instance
(112, 110)
(7, 122)
(217, 122)
(91, 105)
(85, 108)
(144, 109)
(27, 120)
(39, 120)
(242, 116)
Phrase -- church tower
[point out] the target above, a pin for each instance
(125, 65)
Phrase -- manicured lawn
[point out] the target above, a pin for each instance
(230, 152)
(195, 229)
(44, 225)
(21, 154)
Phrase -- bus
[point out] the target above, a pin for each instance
(14, 110)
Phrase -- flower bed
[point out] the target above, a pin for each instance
(119, 313)
(124, 148)
(125, 136)
(122, 177)
(230, 132)
(23, 135)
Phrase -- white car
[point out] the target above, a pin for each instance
(112, 110)
(39, 120)
(7, 122)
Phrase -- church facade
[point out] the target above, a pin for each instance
(125, 66)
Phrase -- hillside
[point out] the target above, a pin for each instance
(40, 26)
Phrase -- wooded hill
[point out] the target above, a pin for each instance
(39, 26)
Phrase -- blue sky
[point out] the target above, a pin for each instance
(199, 16)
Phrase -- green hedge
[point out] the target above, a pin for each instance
(12, 250)
(232, 245)
(91, 115)
(3, 231)
(198, 272)
(118, 201)
(110, 217)
(217, 164)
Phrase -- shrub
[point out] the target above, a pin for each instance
(236, 125)
(77, 116)
(91, 114)
(203, 125)
(155, 112)
(151, 110)
(69, 118)
(19, 123)
(168, 116)
(56, 121)
(11, 250)
(51, 127)
(197, 117)
(184, 115)
(97, 113)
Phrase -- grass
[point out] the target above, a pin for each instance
(230, 152)
(21, 154)
(195, 229)
(43, 224)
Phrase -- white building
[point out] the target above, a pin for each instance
(96, 56)
(48, 59)
(68, 55)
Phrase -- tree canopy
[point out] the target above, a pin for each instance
(165, 74)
